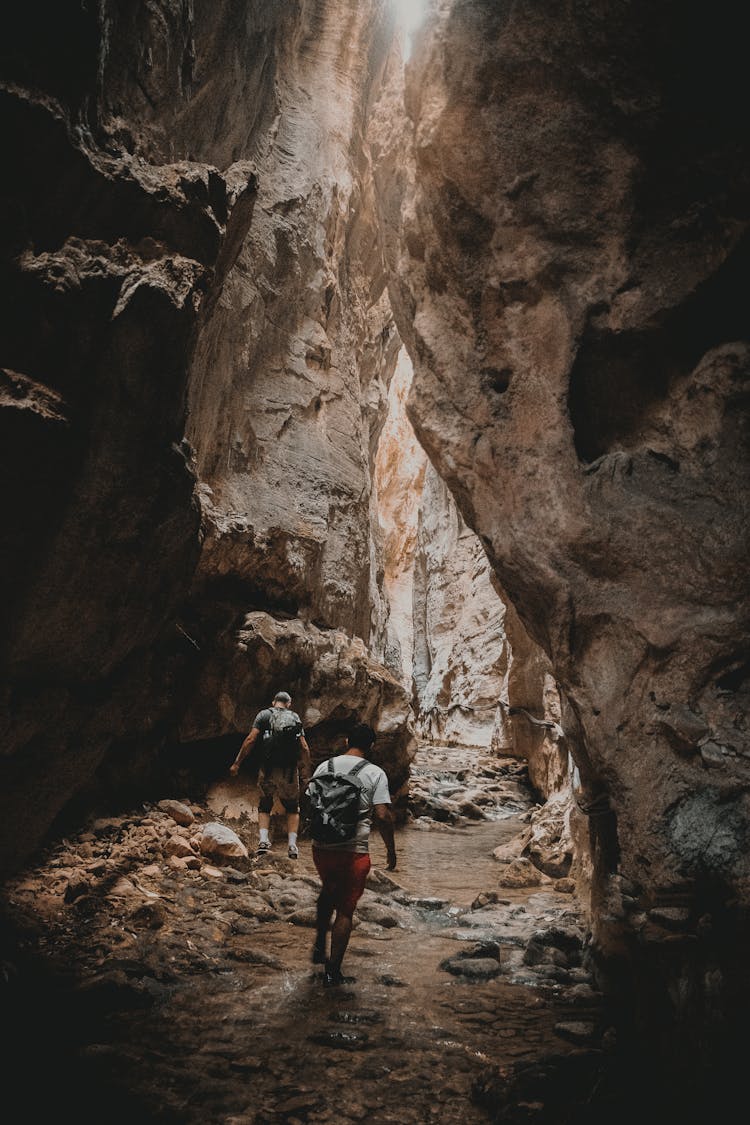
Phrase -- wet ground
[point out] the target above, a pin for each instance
(143, 992)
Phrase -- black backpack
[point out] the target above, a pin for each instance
(280, 747)
(334, 804)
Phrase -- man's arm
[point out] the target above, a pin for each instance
(305, 765)
(383, 819)
(243, 751)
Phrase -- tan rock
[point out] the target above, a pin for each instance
(547, 295)
(176, 845)
(177, 863)
(221, 843)
(179, 812)
(522, 873)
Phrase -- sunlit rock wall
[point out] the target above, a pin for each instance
(461, 653)
(446, 629)
(144, 296)
(570, 278)
(288, 395)
(398, 483)
(443, 626)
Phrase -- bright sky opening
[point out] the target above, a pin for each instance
(409, 14)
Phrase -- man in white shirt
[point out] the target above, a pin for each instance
(343, 867)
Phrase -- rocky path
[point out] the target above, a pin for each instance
(150, 981)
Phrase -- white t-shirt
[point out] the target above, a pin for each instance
(374, 792)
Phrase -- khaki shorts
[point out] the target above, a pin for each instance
(277, 784)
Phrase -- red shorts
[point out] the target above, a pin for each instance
(343, 875)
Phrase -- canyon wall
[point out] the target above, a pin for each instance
(188, 248)
(568, 255)
(400, 466)
(107, 260)
(193, 244)
(444, 627)
(287, 398)
(461, 652)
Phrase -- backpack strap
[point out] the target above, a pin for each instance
(354, 770)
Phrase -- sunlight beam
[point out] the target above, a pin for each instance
(409, 16)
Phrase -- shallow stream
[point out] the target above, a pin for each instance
(212, 1012)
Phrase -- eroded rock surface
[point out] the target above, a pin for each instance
(108, 263)
(203, 259)
(568, 258)
(287, 399)
(337, 681)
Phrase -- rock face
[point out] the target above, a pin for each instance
(444, 628)
(332, 680)
(202, 260)
(400, 467)
(291, 369)
(108, 262)
(568, 274)
(461, 653)
(287, 398)
(192, 243)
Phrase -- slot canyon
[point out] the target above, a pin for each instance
(393, 354)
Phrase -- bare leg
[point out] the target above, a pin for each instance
(264, 820)
(324, 913)
(292, 822)
(342, 929)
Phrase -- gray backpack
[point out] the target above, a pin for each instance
(334, 804)
(281, 747)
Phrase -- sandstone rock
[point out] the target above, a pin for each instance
(220, 843)
(461, 653)
(179, 812)
(398, 480)
(151, 915)
(521, 873)
(378, 914)
(341, 679)
(672, 917)
(305, 917)
(550, 313)
(178, 846)
(178, 863)
(565, 886)
(76, 888)
(576, 1031)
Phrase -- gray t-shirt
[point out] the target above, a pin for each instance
(374, 792)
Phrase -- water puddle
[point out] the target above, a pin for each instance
(455, 863)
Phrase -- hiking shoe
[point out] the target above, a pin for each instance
(293, 852)
(332, 978)
(263, 847)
